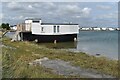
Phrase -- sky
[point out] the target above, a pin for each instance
(86, 14)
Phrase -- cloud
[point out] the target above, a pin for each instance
(45, 5)
(21, 17)
(68, 9)
(65, 12)
(109, 16)
(21, 8)
(48, 9)
(50, 4)
(77, 16)
(84, 13)
(80, 13)
(86, 10)
(14, 6)
(1, 16)
(73, 10)
(30, 6)
(104, 7)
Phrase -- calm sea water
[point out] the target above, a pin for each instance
(104, 43)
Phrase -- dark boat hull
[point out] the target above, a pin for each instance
(28, 36)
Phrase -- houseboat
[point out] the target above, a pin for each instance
(35, 29)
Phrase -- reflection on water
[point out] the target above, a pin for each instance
(61, 45)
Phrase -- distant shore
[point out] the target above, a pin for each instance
(99, 29)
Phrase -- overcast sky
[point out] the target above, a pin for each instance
(102, 14)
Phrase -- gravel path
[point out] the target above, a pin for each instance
(65, 68)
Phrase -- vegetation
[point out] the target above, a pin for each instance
(16, 59)
(5, 26)
(1, 33)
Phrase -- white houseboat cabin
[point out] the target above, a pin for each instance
(49, 32)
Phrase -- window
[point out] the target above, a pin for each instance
(54, 29)
(42, 29)
(57, 28)
(35, 21)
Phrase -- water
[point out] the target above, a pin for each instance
(10, 34)
(104, 43)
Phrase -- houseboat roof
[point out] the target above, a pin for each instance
(58, 24)
(35, 19)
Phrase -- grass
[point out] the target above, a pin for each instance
(1, 33)
(15, 61)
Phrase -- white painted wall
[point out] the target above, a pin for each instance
(49, 29)
(69, 29)
(36, 28)
(28, 24)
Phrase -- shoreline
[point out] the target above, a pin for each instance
(24, 52)
(95, 55)
(73, 48)
(84, 43)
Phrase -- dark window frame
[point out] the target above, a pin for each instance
(54, 28)
(42, 29)
(58, 28)
(35, 21)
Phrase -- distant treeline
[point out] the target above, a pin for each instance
(5, 26)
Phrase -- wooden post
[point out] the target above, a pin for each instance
(16, 37)
(36, 40)
(75, 39)
(55, 41)
(21, 36)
